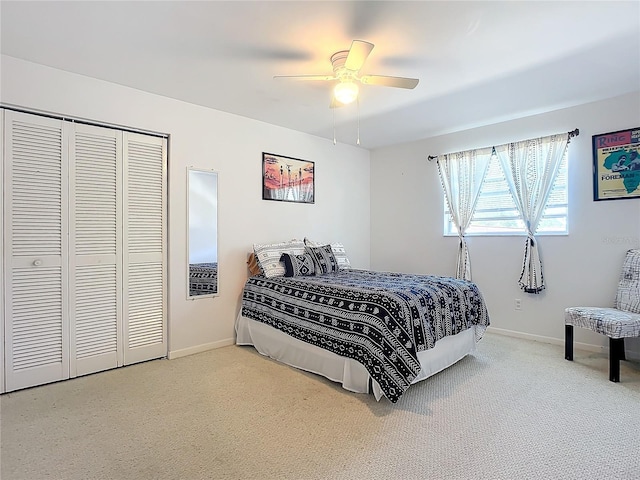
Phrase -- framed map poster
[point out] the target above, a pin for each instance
(616, 165)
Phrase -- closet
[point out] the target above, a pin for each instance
(84, 250)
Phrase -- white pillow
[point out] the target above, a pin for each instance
(338, 252)
(268, 256)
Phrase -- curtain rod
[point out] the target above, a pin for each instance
(572, 133)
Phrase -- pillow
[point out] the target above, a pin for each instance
(298, 265)
(324, 259)
(269, 256)
(338, 251)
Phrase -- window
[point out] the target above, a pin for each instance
(496, 213)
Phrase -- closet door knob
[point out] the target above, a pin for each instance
(37, 263)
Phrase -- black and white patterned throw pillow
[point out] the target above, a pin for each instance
(268, 256)
(338, 251)
(297, 265)
(324, 259)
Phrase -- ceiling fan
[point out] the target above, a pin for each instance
(346, 70)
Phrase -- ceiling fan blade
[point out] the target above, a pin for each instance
(358, 54)
(307, 77)
(400, 82)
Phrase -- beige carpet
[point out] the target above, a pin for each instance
(514, 410)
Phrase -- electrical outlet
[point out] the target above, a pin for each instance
(518, 304)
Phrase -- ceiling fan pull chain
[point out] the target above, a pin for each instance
(334, 126)
(358, 117)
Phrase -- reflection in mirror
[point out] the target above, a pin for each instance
(203, 232)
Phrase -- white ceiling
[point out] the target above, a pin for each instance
(478, 62)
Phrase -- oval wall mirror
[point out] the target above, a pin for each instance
(202, 233)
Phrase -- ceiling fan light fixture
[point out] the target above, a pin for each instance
(345, 92)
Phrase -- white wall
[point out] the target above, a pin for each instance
(579, 269)
(232, 146)
(400, 192)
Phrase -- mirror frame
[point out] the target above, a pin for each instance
(196, 170)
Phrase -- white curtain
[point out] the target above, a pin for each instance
(531, 167)
(462, 175)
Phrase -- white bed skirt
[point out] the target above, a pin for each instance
(351, 374)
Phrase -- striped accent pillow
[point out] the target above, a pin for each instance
(338, 251)
(324, 259)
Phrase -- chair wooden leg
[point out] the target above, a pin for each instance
(568, 342)
(616, 353)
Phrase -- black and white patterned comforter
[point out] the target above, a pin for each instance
(382, 320)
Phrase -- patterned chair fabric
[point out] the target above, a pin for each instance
(608, 321)
(628, 294)
(617, 323)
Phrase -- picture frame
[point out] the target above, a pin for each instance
(287, 179)
(616, 165)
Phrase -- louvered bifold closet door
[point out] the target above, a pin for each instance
(35, 251)
(2, 277)
(95, 243)
(145, 332)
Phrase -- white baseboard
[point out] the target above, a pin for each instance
(631, 355)
(554, 341)
(183, 352)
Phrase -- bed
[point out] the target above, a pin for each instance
(377, 332)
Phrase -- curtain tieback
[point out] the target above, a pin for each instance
(532, 239)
